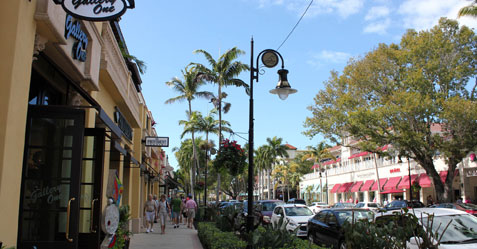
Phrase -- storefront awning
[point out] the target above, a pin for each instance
(335, 188)
(345, 187)
(393, 191)
(360, 154)
(392, 183)
(382, 181)
(367, 185)
(405, 182)
(356, 186)
(424, 180)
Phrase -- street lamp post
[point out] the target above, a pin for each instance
(270, 59)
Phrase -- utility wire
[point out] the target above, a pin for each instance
(293, 29)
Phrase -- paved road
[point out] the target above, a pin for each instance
(179, 238)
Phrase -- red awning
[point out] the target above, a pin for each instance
(424, 180)
(356, 186)
(382, 181)
(315, 166)
(345, 187)
(335, 188)
(364, 153)
(367, 185)
(392, 191)
(405, 182)
(392, 183)
(331, 162)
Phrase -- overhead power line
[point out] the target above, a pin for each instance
(293, 29)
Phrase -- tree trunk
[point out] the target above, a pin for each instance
(288, 191)
(195, 162)
(206, 167)
(268, 184)
(377, 179)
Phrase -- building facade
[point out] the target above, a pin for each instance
(73, 120)
(354, 175)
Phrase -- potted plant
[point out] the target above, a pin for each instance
(123, 235)
(230, 156)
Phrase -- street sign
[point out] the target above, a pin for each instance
(157, 141)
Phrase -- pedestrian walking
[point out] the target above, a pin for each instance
(156, 201)
(191, 206)
(176, 205)
(149, 213)
(184, 209)
(163, 211)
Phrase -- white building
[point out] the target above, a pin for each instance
(353, 177)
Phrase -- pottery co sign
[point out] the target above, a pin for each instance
(96, 10)
(157, 141)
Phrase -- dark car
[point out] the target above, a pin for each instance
(267, 208)
(240, 220)
(466, 207)
(398, 204)
(296, 201)
(325, 228)
(343, 205)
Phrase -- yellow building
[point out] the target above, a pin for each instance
(72, 118)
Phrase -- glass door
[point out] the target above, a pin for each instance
(49, 208)
(90, 189)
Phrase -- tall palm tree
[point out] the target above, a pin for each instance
(295, 178)
(319, 154)
(276, 150)
(188, 90)
(209, 124)
(223, 72)
(263, 161)
(470, 10)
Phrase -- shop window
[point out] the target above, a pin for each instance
(361, 196)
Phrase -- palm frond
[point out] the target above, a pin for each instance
(208, 57)
(226, 107)
(176, 99)
(470, 10)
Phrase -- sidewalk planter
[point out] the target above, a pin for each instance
(212, 238)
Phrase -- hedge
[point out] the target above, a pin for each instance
(212, 238)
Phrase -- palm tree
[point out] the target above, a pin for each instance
(295, 178)
(470, 10)
(276, 149)
(319, 154)
(262, 160)
(282, 172)
(223, 72)
(308, 189)
(188, 89)
(208, 125)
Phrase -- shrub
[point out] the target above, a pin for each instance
(212, 238)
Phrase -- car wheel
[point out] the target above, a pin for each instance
(341, 245)
(311, 238)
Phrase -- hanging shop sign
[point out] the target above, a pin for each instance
(123, 124)
(157, 141)
(73, 29)
(96, 10)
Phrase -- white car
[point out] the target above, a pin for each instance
(318, 206)
(297, 216)
(461, 233)
(369, 205)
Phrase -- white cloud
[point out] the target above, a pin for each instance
(329, 57)
(378, 27)
(377, 12)
(424, 14)
(343, 8)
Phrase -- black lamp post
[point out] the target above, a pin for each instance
(270, 59)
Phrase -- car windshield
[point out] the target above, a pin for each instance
(269, 206)
(298, 211)
(468, 206)
(462, 227)
(346, 215)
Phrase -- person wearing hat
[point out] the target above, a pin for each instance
(191, 207)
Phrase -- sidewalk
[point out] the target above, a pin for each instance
(178, 238)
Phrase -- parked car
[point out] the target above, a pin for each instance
(318, 206)
(267, 209)
(398, 204)
(325, 228)
(240, 220)
(466, 207)
(296, 215)
(461, 232)
(373, 206)
(343, 205)
(297, 201)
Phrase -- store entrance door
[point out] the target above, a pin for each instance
(49, 208)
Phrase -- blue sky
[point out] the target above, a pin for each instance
(165, 33)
